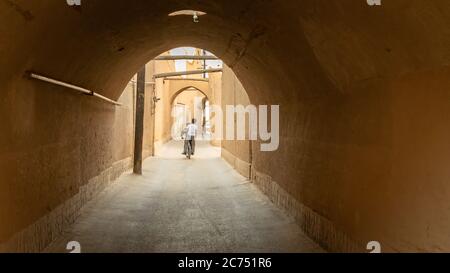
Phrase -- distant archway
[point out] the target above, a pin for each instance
(186, 106)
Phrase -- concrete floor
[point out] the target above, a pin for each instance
(180, 205)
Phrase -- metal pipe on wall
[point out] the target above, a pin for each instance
(191, 72)
(185, 57)
(73, 87)
(186, 79)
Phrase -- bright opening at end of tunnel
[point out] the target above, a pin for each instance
(195, 97)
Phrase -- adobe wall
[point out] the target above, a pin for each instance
(235, 152)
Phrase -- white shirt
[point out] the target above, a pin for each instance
(192, 129)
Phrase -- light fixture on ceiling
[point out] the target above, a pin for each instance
(194, 13)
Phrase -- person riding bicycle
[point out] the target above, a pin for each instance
(190, 132)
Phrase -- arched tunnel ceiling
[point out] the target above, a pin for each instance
(303, 49)
(363, 94)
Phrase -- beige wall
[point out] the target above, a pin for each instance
(155, 116)
(83, 144)
(236, 152)
(161, 91)
(63, 146)
(215, 85)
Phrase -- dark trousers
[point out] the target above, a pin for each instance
(192, 142)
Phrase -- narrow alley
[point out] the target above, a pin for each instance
(180, 205)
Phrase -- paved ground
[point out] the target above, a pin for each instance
(180, 205)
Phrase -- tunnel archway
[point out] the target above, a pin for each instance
(191, 110)
(184, 89)
(348, 99)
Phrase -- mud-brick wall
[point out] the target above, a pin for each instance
(57, 150)
(235, 152)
